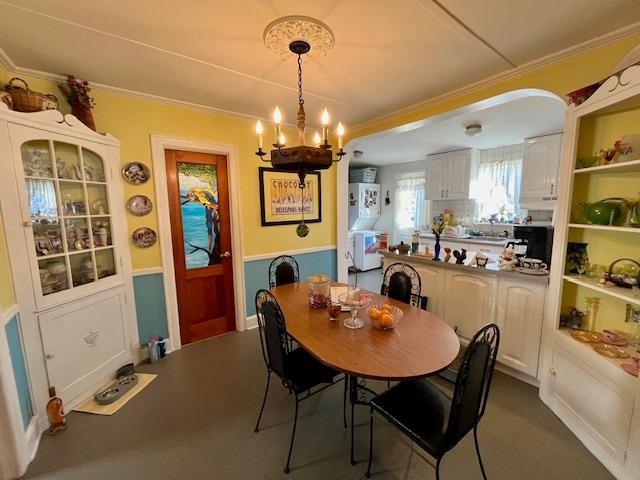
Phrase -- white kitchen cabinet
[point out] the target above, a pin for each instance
(540, 164)
(449, 175)
(433, 280)
(436, 176)
(470, 302)
(520, 314)
(592, 405)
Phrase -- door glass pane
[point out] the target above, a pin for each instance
(77, 234)
(73, 201)
(36, 159)
(198, 186)
(81, 268)
(101, 228)
(93, 166)
(105, 263)
(53, 275)
(67, 161)
(98, 204)
(42, 198)
(47, 236)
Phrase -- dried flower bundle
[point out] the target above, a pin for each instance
(77, 92)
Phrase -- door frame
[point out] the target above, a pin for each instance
(160, 143)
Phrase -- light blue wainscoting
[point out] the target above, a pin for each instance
(256, 272)
(14, 338)
(150, 306)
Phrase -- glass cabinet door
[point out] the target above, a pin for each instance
(69, 212)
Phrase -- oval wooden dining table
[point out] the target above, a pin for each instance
(421, 344)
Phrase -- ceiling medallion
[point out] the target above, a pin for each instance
(281, 32)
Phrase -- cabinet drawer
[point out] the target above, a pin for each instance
(84, 338)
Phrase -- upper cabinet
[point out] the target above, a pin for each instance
(540, 163)
(449, 175)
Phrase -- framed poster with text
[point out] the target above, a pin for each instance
(281, 201)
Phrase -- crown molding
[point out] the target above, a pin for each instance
(541, 62)
(6, 62)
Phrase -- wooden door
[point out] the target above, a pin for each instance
(197, 186)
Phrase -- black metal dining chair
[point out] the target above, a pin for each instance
(299, 372)
(402, 282)
(282, 270)
(431, 419)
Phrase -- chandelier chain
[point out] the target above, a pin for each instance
(300, 99)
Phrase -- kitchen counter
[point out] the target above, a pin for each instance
(470, 266)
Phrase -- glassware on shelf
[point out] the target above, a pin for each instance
(68, 164)
(73, 200)
(47, 236)
(105, 263)
(36, 159)
(101, 229)
(98, 204)
(53, 275)
(93, 166)
(81, 268)
(77, 234)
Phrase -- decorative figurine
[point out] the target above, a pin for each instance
(508, 260)
(447, 254)
(461, 256)
(573, 320)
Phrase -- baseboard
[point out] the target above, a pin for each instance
(251, 322)
(518, 375)
(37, 426)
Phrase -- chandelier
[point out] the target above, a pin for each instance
(298, 34)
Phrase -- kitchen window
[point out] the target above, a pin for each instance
(409, 204)
(496, 186)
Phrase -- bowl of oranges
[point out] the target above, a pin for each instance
(384, 316)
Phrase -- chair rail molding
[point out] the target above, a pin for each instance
(160, 143)
(301, 251)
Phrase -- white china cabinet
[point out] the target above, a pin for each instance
(62, 208)
(592, 394)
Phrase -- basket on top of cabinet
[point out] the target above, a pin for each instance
(363, 175)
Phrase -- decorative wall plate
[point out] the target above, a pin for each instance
(136, 173)
(139, 205)
(144, 237)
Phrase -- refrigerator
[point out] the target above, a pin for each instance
(367, 244)
(364, 205)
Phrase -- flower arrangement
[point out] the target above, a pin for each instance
(77, 92)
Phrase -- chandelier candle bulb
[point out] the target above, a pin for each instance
(282, 140)
(259, 131)
(316, 139)
(325, 125)
(340, 132)
(277, 119)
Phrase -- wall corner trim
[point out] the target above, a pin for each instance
(252, 322)
(8, 314)
(138, 272)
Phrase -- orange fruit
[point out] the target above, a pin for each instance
(386, 307)
(374, 313)
(386, 320)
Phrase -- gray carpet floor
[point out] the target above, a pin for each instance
(195, 421)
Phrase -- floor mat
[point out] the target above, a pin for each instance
(91, 406)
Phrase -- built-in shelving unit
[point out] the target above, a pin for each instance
(576, 382)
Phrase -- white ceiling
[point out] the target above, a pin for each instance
(504, 123)
(388, 54)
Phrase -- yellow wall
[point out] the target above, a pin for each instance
(132, 120)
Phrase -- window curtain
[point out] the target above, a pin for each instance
(496, 187)
(409, 204)
(42, 198)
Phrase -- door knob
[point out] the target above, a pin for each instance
(225, 255)
(49, 356)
